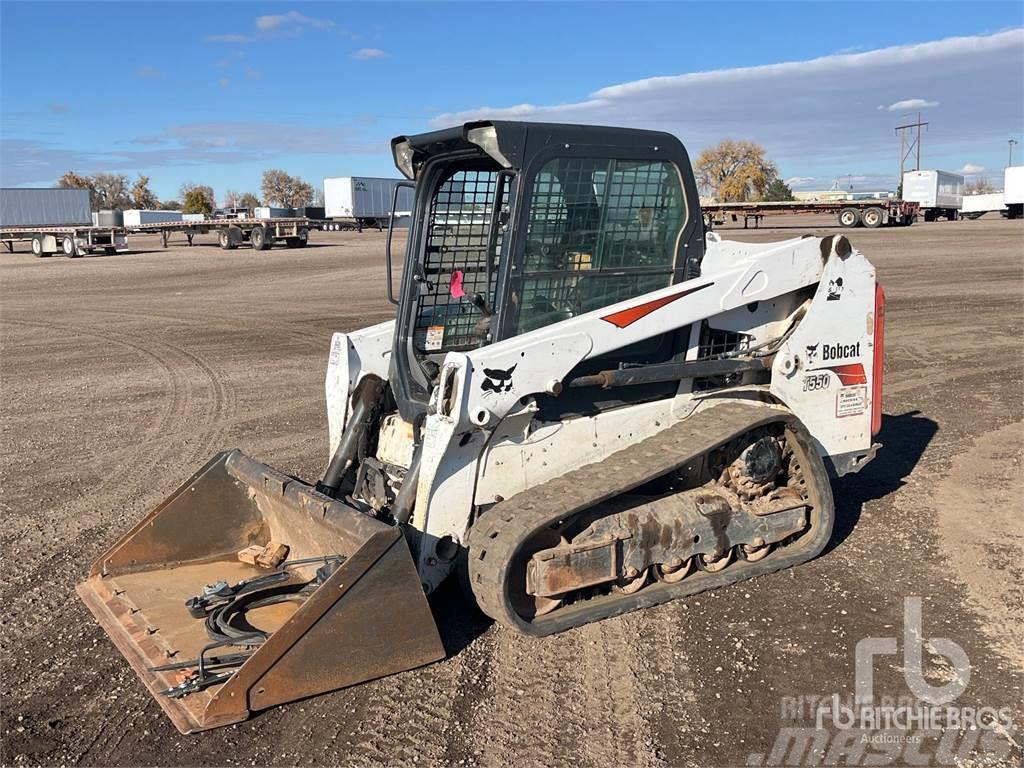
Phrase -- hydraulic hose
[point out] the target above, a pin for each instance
(406, 499)
(364, 403)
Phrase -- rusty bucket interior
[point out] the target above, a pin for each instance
(355, 609)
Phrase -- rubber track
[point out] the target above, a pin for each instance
(495, 541)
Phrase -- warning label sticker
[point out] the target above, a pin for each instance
(435, 337)
(851, 401)
(337, 347)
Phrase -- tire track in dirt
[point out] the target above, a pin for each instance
(610, 678)
(87, 516)
(573, 698)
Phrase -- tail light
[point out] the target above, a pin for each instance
(879, 361)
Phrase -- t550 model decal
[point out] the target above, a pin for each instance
(625, 317)
(849, 374)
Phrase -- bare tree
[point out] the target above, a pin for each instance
(287, 191)
(735, 171)
(979, 186)
(111, 191)
(231, 199)
(248, 200)
(142, 195)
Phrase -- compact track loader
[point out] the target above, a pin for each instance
(586, 404)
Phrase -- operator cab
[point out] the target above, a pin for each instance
(521, 225)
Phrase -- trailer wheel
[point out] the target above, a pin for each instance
(226, 239)
(110, 250)
(873, 218)
(849, 217)
(37, 246)
(68, 246)
(259, 239)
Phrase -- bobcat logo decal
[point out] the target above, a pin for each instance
(497, 379)
(812, 352)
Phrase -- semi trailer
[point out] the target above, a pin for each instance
(1013, 191)
(869, 213)
(939, 193)
(55, 221)
(364, 200)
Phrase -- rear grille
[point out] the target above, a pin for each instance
(714, 342)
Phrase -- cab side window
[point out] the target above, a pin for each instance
(599, 231)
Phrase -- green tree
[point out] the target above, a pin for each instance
(170, 205)
(777, 191)
(196, 201)
(142, 195)
(205, 190)
(735, 171)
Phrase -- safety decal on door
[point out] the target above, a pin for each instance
(435, 337)
(851, 401)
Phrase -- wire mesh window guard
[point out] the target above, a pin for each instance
(455, 265)
(599, 231)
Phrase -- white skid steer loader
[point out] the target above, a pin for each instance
(586, 403)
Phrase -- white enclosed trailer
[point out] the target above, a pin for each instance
(365, 199)
(975, 206)
(55, 221)
(1013, 191)
(938, 193)
(136, 217)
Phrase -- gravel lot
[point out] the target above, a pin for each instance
(121, 375)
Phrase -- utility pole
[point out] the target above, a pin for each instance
(915, 143)
(1012, 142)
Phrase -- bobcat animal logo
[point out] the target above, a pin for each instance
(812, 352)
(835, 289)
(498, 379)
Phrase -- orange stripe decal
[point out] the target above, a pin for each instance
(626, 317)
(849, 374)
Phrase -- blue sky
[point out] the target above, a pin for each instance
(216, 92)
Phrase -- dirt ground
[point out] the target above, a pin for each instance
(121, 375)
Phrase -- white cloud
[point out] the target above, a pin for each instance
(899, 106)
(971, 169)
(365, 54)
(291, 19)
(799, 181)
(35, 160)
(291, 24)
(817, 117)
(228, 38)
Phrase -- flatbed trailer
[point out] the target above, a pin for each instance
(71, 240)
(261, 234)
(849, 213)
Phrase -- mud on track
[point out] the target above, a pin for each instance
(120, 375)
